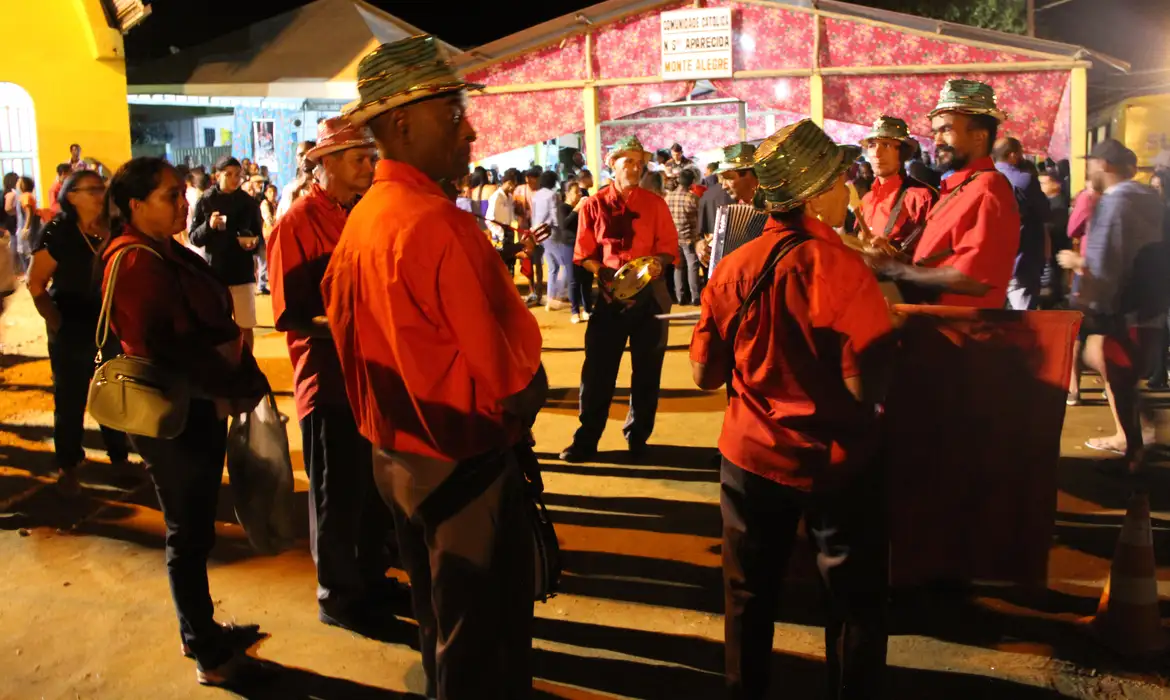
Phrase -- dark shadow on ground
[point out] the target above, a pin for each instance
(689, 667)
(291, 683)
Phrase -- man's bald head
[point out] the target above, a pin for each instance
(1008, 150)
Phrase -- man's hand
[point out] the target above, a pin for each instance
(1070, 260)
(248, 245)
(218, 221)
(882, 263)
(657, 269)
(962, 284)
(605, 277)
(703, 249)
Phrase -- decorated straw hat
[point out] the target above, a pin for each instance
(399, 73)
(337, 134)
(626, 145)
(797, 163)
(887, 128)
(967, 97)
(737, 156)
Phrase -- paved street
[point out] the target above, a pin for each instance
(86, 611)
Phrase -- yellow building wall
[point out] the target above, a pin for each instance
(73, 66)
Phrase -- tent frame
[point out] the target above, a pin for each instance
(1071, 59)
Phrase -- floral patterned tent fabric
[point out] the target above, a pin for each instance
(766, 38)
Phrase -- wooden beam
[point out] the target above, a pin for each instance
(592, 131)
(1078, 127)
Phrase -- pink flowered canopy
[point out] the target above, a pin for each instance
(766, 38)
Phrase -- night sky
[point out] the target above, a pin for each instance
(466, 24)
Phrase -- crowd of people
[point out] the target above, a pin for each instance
(417, 363)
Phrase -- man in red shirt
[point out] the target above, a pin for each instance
(63, 172)
(348, 523)
(797, 325)
(896, 207)
(968, 249)
(620, 223)
(441, 361)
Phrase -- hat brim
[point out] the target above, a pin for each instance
(319, 152)
(889, 137)
(726, 167)
(845, 156)
(611, 157)
(360, 113)
(997, 113)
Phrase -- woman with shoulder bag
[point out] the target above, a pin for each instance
(169, 310)
(61, 282)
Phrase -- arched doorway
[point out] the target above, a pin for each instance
(18, 133)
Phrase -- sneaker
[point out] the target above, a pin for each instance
(532, 300)
(553, 305)
(575, 318)
(238, 669)
(372, 621)
(584, 315)
(575, 454)
(263, 291)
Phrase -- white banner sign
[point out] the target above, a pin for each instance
(696, 44)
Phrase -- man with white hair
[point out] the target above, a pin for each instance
(622, 222)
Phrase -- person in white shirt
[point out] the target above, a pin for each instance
(301, 182)
(501, 209)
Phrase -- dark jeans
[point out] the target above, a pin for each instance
(71, 358)
(605, 343)
(472, 581)
(686, 278)
(760, 519)
(1158, 349)
(581, 290)
(348, 523)
(186, 472)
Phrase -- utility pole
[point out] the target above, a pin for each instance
(1031, 17)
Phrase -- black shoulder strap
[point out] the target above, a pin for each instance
(782, 248)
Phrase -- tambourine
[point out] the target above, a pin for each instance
(634, 276)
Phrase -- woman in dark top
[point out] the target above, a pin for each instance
(61, 283)
(170, 308)
(581, 289)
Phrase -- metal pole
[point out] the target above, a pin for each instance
(1031, 17)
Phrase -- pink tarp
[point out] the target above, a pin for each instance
(766, 38)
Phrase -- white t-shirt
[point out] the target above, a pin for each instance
(501, 209)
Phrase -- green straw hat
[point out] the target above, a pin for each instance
(626, 145)
(967, 97)
(738, 156)
(399, 73)
(797, 163)
(887, 128)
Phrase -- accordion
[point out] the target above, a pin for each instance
(735, 224)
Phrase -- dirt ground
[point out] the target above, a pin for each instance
(86, 611)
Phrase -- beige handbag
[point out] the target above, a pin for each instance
(133, 394)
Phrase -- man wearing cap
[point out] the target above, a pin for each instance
(968, 248)
(300, 184)
(738, 186)
(797, 325)
(441, 361)
(1120, 284)
(896, 206)
(620, 223)
(348, 523)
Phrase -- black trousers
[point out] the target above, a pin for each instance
(349, 525)
(760, 519)
(71, 359)
(186, 472)
(472, 580)
(605, 342)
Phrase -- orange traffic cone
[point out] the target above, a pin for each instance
(1128, 620)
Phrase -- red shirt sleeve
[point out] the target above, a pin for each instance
(919, 203)
(983, 251)
(1082, 212)
(709, 340)
(284, 256)
(859, 311)
(586, 248)
(470, 314)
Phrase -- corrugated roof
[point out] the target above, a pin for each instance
(611, 10)
(321, 41)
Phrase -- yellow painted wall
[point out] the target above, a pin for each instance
(73, 67)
